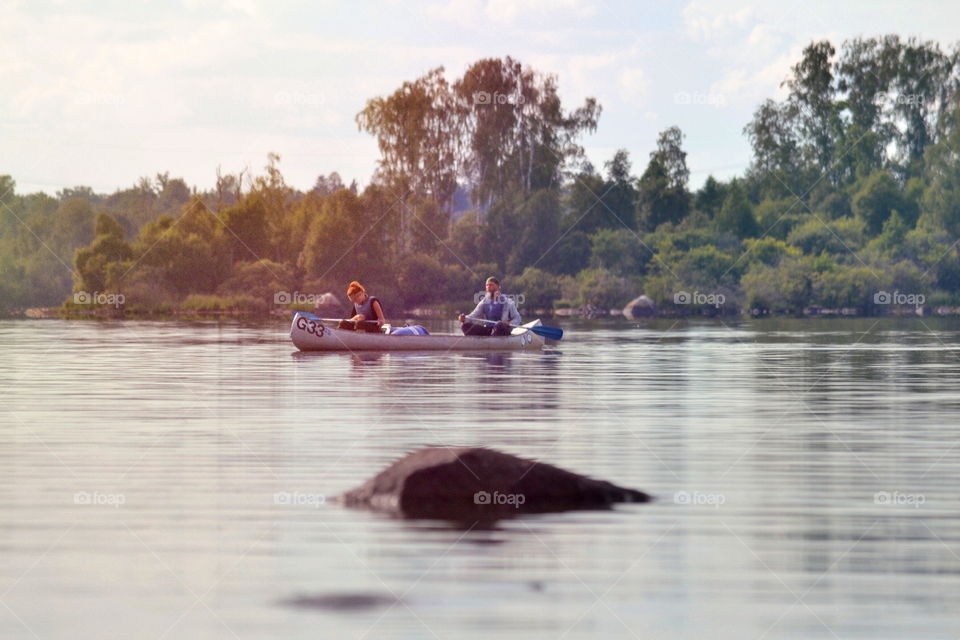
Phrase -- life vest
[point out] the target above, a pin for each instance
(366, 309)
(493, 310)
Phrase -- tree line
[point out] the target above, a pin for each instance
(853, 189)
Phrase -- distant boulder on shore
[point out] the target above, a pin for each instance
(479, 483)
(642, 307)
(329, 306)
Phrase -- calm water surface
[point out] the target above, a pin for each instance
(165, 480)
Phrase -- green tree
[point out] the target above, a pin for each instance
(784, 288)
(539, 229)
(244, 226)
(570, 255)
(107, 247)
(846, 286)
(261, 279)
(422, 280)
(600, 288)
(774, 136)
(941, 197)
(877, 198)
(768, 251)
(839, 237)
(587, 208)
(180, 263)
(517, 135)
(710, 196)
(539, 289)
(812, 98)
(619, 193)
(736, 214)
(429, 226)
(619, 251)
(343, 244)
(466, 239)
(663, 195)
(419, 130)
(777, 218)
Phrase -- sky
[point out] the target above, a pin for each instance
(102, 93)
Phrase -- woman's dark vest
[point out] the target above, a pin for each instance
(366, 309)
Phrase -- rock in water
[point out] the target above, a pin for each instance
(642, 307)
(475, 482)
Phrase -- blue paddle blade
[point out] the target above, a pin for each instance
(550, 333)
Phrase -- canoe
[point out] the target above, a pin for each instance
(310, 333)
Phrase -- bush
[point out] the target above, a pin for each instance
(539, 289)
(785, 287)
(878, 196)
(421, 279)
(242, 303)
(736, 215)
(619, 251)
(707, 267)
(260, 279)
(570, 255)
(661, 289)
(603, 289)
(767, 251)
(774, 216)
(846, 286)
(818, 235)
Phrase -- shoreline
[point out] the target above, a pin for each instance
(110, 313)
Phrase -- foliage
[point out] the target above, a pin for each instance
(663, 195)
(854, 187)
(736, 214)
(241, 303)
(877, 198)
(620, 251)
(838, 237)
(601, 288)
(422, 280)
(784, 288)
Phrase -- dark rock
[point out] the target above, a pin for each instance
(340, 601)
(480, 483)
(642, 307)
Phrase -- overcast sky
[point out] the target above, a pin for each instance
(101, 93)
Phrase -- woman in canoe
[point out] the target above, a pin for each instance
(366, 308)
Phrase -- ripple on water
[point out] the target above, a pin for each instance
(177, 478)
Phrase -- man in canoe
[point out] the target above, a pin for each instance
(366, 309)
(496, 315)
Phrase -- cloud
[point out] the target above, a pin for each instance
(478, 14)
(247, 7)
(633, 84)
(752, 44)
(705, 22)
(209, 79)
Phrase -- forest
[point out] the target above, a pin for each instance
(851, 201)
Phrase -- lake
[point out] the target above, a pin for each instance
(175, 480)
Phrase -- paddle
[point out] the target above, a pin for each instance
(318, 318)
(334, 321)
(550, 333)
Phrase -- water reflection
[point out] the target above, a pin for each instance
(491, 360)
(791, 457)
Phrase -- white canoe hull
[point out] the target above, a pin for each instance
(309, 333)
